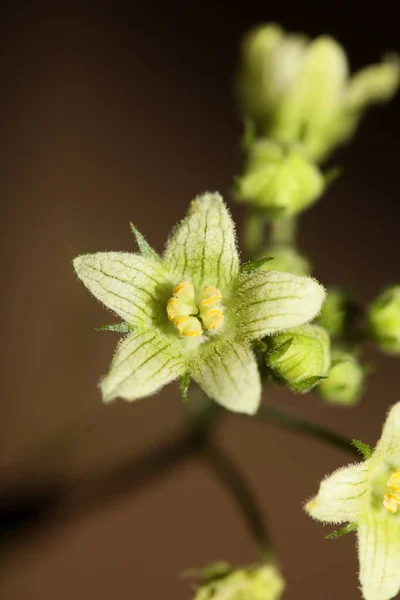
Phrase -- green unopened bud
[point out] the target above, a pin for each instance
(334, 312)
(286, 259)
(281, 182)
(384, 320)
(375, 83)
(299, 91)
(301, 356)
(255, 583)
(345, 380)
(257, 61)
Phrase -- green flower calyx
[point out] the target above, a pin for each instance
(191, 316)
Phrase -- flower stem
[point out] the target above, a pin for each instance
(230, 476)
(282, 419)
(254, 233)
(283, 231)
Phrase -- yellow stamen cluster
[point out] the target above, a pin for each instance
(190, 318)
(391, 500)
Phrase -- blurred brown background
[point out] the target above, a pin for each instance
(116, 112)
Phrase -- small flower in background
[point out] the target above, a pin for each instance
(261, 582)
(367, 496)
(280, 181)
(287, 260)
(384, 320)
(344, 384)
(335, 313)
(194, 312)
(300, 357)
(299, 91)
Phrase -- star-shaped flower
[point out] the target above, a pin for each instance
(367, 495)
(194, 312)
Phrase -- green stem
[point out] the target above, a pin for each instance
(283, 231)
(233, 481)
(282, 419)
(254, 233)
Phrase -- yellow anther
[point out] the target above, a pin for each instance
(212, 319)
(172, 309)
(184, 290)
(210, 296)
(189, 326)
(187, 316)
(391, 501)
(394, 481)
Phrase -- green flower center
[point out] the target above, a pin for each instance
(391, 500)
(191, 317)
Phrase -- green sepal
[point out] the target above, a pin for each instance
(340, 532)
(184, 386)
(145, 249)
(118, 327)
(253, 265)
(306, 384)
(365, 449)
(280, 350)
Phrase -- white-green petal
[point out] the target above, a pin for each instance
(144, 362)
(273, 301)
(390, 439)
(341, 496)
(128, 284)
(379, 554)
(202, 248)
(228, 374)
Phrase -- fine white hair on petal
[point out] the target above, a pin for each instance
(127, 283)
(341, 495)
(379, 555)
(272, 301)
(390, 439)
(144, 362)
(229, 375)
(202, 248)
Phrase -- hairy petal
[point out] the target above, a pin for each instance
(144, 362)
(203, 247)
(271, 301)
(341, 495)
(128, 284)
(379, 554)
(390, 439)
(228, 374)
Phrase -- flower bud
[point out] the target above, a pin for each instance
(300, 356)
(286, 259)
(297, 90)
(279, 181)
(384, 320)
(262, 582)
(334, 312)
(345, 380)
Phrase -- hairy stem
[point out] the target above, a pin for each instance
(230, 476)
(282, 419)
